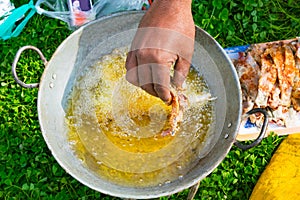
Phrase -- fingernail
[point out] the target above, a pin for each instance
(169, 101)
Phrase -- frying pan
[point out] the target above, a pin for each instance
(89, 43)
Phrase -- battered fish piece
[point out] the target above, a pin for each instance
(274, 100)
(179, 103)
(256, 50)
(266, 81)
(277, 53)
(296, 88)
(248, 72)
(286, 76)
(296, 103)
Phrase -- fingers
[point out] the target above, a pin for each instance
(161, 81)
(154, 71)
(153, 77)
(155, 80)
(151, 55)
(144, 70)
(139, 73)
(131, 69)
(145, 79)
(181, 70)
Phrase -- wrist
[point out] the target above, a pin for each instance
(174, 2)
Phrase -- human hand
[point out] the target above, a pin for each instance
(165, 37)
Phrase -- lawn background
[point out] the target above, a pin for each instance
(27, 168)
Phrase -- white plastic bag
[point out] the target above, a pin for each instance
(5, 7)
(106, 7)
(60, 9)
(74, 12)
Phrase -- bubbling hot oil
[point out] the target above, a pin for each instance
(115, 128)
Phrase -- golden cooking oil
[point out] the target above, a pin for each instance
(115, 128)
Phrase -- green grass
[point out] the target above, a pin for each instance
(248, 21)
(27, 168)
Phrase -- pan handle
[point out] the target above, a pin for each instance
(16, 60)
(262, 130)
